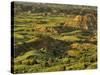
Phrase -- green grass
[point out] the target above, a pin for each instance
(26, 55)
(70, 49)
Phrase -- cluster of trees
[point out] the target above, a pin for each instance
(46, 8)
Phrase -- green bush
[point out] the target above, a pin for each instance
(21, 68)
(77, 66)
(92, 66)
(25, 62)
(73, 53)
(54, 68)
(65, 60)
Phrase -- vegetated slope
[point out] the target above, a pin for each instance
(45, 43)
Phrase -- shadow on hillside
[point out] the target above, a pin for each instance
(62, 29)
(54, 46)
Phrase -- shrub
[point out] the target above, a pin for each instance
(54, 68)
(65, 60)
(92, 66)
(25, 62)
(17, 62)
(74, 45)
(21, 68)
(77, 66)
(73, 53)
(35, 68)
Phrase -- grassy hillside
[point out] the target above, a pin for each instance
(45, 43)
